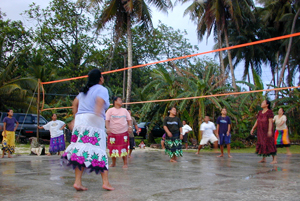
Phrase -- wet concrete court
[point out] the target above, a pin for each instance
(151, 177)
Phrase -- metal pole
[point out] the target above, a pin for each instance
(38, 110)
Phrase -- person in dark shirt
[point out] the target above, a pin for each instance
(9, 129)
(173, 128)
(223, 130)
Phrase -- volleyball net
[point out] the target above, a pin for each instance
(41, 84)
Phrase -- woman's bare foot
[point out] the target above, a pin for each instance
(48, 154)
(229, 156)
(289, 154)
(112, 165)
(197, 153)
(273, 162)
(220, 156)
(262, 161)
(108, 187)
(2, 156)
(79, 187)
(125, 166)
(9, 156)
(173, 161)
(129, 156)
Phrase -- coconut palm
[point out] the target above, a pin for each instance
(218, 13)
(202, 79)
(124, 13)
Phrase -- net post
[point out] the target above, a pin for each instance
(38, 109)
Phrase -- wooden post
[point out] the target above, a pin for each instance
(38, 110)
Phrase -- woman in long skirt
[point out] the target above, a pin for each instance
(265, 145)
(173, 129)
(88, 144)
(118, 126)
(281, 132)
(9, 129)
(57, 140)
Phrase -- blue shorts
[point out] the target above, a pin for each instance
(224, 139)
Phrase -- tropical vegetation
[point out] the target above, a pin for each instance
(70, 38)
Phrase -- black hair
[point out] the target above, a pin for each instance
(170, 108)
(281, 108)
(114, 99)
(268, 103)
(93, 79)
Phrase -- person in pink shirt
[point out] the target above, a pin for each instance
(118, 125)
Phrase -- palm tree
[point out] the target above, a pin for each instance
(15, 92)
(218, 13)
(202, 79)
(125, 13)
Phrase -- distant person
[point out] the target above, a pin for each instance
(162, 142)
(265, 145)
(88, 143)
(57, 140)
(118, 126)
(223, 130)
(208, 133)
(9, 129)
(142, 145)
(173, 129)
(185, 131)
(281, 132)
(131, 135)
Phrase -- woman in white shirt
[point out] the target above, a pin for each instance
(281, 132)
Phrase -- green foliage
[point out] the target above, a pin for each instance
(237, 145)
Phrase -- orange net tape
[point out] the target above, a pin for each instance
(182, 57)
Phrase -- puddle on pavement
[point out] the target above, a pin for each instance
(258, 173)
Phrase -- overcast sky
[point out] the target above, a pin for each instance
(174, 18)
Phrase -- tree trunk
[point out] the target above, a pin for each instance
(124, 78)
(129, 46)
(220, 55)
(230, 61)
(287, 55)
(111, 55)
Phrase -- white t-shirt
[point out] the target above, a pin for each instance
(207, 129)
(279, 121)
(186, 128)
(54, 127)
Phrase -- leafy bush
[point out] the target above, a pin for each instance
(237, 145)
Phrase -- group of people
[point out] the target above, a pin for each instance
(96, 127)
(10, 125)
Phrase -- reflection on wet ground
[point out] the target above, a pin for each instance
(150, 176)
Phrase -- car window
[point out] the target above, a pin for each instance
(42, 120)
(28, 119)
(142, 124)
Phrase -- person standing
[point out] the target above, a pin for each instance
(88, 143)
(9, 129)
(223, 130)
(118, 126)
(185, 131)
(265, 145)
(173, 129)
(208, 133)
(131, 135)
(281, 132)
(57, 140)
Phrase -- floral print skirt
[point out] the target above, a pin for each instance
(8, 142)
(118, 144)
(57, 144)
(173, 145)
(88, 144)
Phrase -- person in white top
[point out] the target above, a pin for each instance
(185, 131)
(281, 132)
(208, 133)
(57, 141)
